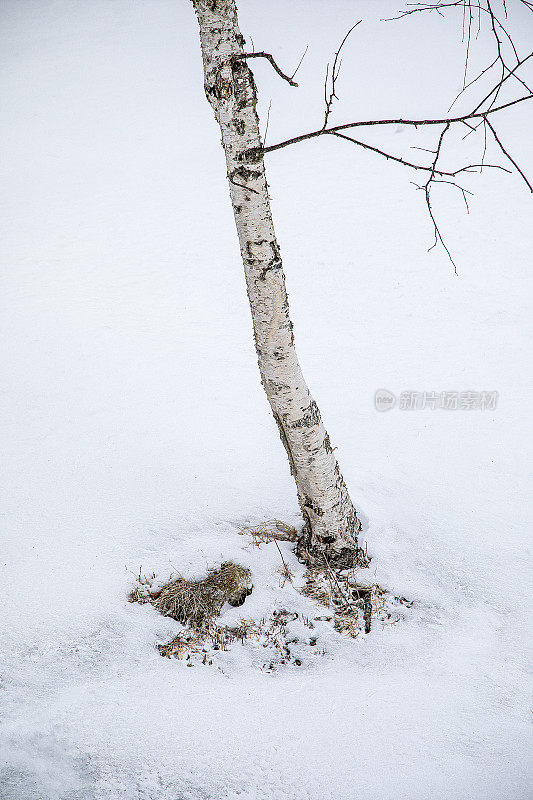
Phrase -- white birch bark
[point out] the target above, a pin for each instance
(331, 521)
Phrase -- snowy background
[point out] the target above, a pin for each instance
(135, 431)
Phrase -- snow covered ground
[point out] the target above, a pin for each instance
(135, 431)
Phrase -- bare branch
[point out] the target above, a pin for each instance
(386, 155)
(425, 168)
(469, 35)
(495, 24)
(269, 57)
(399, 121)
(427, 190)
(398, 160)
(335, 71)
(505, 152)
(420, 7)
(502, 81)
(463, 191)
(471, 83)
(438, 235)
(479, 116)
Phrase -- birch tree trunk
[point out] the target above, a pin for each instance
(331, 523)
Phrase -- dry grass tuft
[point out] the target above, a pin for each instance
(196, 603)
(199, 602)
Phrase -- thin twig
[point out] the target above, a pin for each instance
(506, 153)
(300, 62)
(287, 573)
(335, 70)
(267, 121)
(427, 189)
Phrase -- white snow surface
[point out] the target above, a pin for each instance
(135, 431)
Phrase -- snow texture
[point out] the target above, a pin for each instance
(135, 431)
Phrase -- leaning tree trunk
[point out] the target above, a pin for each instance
(331, 523)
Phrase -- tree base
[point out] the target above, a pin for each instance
(323, 555)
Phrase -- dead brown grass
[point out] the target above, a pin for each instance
(354, 606)
(269, 531)
(198, 603)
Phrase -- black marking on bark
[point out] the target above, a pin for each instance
(239, 126)
(276, 387)
(279, 353)
(275, 263)
(311, 416)
(244, 174)
(312, 553)
(242, 186)
(249, 255)
(251, 156)
(243, 84)
(252, 259)
(286, 444)
(315, 508)
(242, 103)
